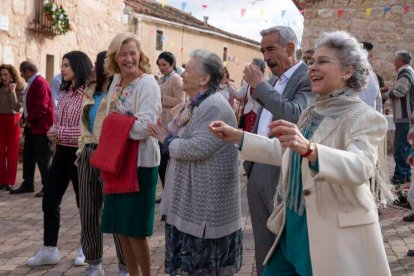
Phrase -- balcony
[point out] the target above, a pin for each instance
(42, 21)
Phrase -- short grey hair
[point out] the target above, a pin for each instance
(28, 65)
(405, 56)
(349, 52)
(286, 34)
(210, 64)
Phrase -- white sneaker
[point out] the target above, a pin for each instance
(47, 255)
(80, 258)
(123, 272)
(95, 270)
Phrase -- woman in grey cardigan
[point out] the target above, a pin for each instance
(202, 202)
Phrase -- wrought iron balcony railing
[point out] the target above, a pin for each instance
(42, 21)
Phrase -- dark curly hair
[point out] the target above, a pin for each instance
(15, 77)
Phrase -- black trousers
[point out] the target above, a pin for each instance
(163, 165)
(61, 172)
(36, 150)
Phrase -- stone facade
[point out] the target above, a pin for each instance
(182, 33)
(95, 22)
(389, 32)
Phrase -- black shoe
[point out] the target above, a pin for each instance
(410, 253)
(7, 188)
(2, 186)
(409, 217)
(22, 189)
(396, 180)
(39, 194)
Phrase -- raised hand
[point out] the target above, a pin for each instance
(252, 75)
(289, 136)
(158, 130)
(225, 132)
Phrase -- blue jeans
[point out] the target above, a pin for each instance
(401, 151)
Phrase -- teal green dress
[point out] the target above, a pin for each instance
(132, 214)
(292, 255)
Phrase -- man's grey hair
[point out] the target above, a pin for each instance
(286, 34)
(210, 64)
(349, 52)
(28, 65)
(405, 56)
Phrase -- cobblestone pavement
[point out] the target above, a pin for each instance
(21, 234)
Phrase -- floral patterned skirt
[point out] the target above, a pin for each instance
(189, 255)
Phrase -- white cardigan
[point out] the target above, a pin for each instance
(146, 108)
(344, 232)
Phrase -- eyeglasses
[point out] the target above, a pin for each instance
(320, 62)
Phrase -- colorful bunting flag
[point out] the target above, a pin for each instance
(242, 12)
(262, 11)
(283, 13)
(387, 9)
(320, 11)
(368, 12)
(406, 8)
(340, 12)
(183, 5)
(204, 6)
(302, 12)
(163, 3)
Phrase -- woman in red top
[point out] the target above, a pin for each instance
(11, 96)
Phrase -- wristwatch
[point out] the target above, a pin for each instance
(311, 148)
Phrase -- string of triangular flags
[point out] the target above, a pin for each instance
(152, 31)
(384, 10)
(368, 11)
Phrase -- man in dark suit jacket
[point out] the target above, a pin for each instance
(284, 96)
(37, 119)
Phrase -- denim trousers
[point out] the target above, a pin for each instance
(401, 151)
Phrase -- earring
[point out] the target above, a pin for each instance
(344, 78)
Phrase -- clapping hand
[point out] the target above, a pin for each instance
(158, 130)
(252, 75)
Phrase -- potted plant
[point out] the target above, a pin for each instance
(58, 17)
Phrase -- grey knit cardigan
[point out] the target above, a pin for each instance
(206, 191)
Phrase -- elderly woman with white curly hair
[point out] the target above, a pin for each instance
(201, 202)
(325, 215)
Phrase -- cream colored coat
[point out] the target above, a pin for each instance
(344, 232)
(86, 136)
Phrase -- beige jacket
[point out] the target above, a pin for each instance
(171, 95)
(86, 136)
(344, 232)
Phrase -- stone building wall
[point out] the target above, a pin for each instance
(389, 32)
(94, 23)
(181, 41)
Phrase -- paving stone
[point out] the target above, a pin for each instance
(21, 235)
